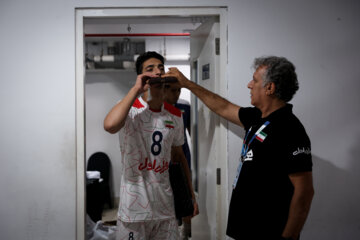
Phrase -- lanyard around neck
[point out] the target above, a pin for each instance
(245, 147)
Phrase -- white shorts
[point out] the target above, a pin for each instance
(148, 230)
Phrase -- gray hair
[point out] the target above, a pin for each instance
(282, 73)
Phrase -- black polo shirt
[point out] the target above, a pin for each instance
(260, 201)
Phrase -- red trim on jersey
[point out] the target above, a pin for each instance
(137, 104)
(171, 109)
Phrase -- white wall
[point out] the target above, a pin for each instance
(37, 97)
(37, 102)
(321, 38)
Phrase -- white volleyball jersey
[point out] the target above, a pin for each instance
(145, 143)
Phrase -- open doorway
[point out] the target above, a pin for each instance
(111, 48)
(102, 82)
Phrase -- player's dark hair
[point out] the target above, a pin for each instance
(145, 56)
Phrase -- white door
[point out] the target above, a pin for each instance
(204, 51)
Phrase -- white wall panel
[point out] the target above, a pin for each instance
(319, 38)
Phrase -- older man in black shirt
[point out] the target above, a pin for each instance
(273, 188)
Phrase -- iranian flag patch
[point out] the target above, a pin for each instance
(169, 124)
(261, 136)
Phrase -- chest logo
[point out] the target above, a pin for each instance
(169, 124)
(261, 136)
(152, 166)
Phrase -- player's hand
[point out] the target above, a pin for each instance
(174, 72)
(142, 82)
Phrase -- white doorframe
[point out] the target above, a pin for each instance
(82, 13)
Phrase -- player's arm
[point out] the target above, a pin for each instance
(115, 119)
(300, 203)
(216, 103)
(177, 155)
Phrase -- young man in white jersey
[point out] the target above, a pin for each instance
(151, 133)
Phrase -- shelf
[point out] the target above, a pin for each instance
(109, 70)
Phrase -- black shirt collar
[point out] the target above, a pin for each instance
(279, 112)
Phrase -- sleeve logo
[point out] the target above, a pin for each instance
(302, 150)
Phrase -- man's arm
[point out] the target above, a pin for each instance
(115, 119)
(300, 203)
(216, 103)
(177, 155)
